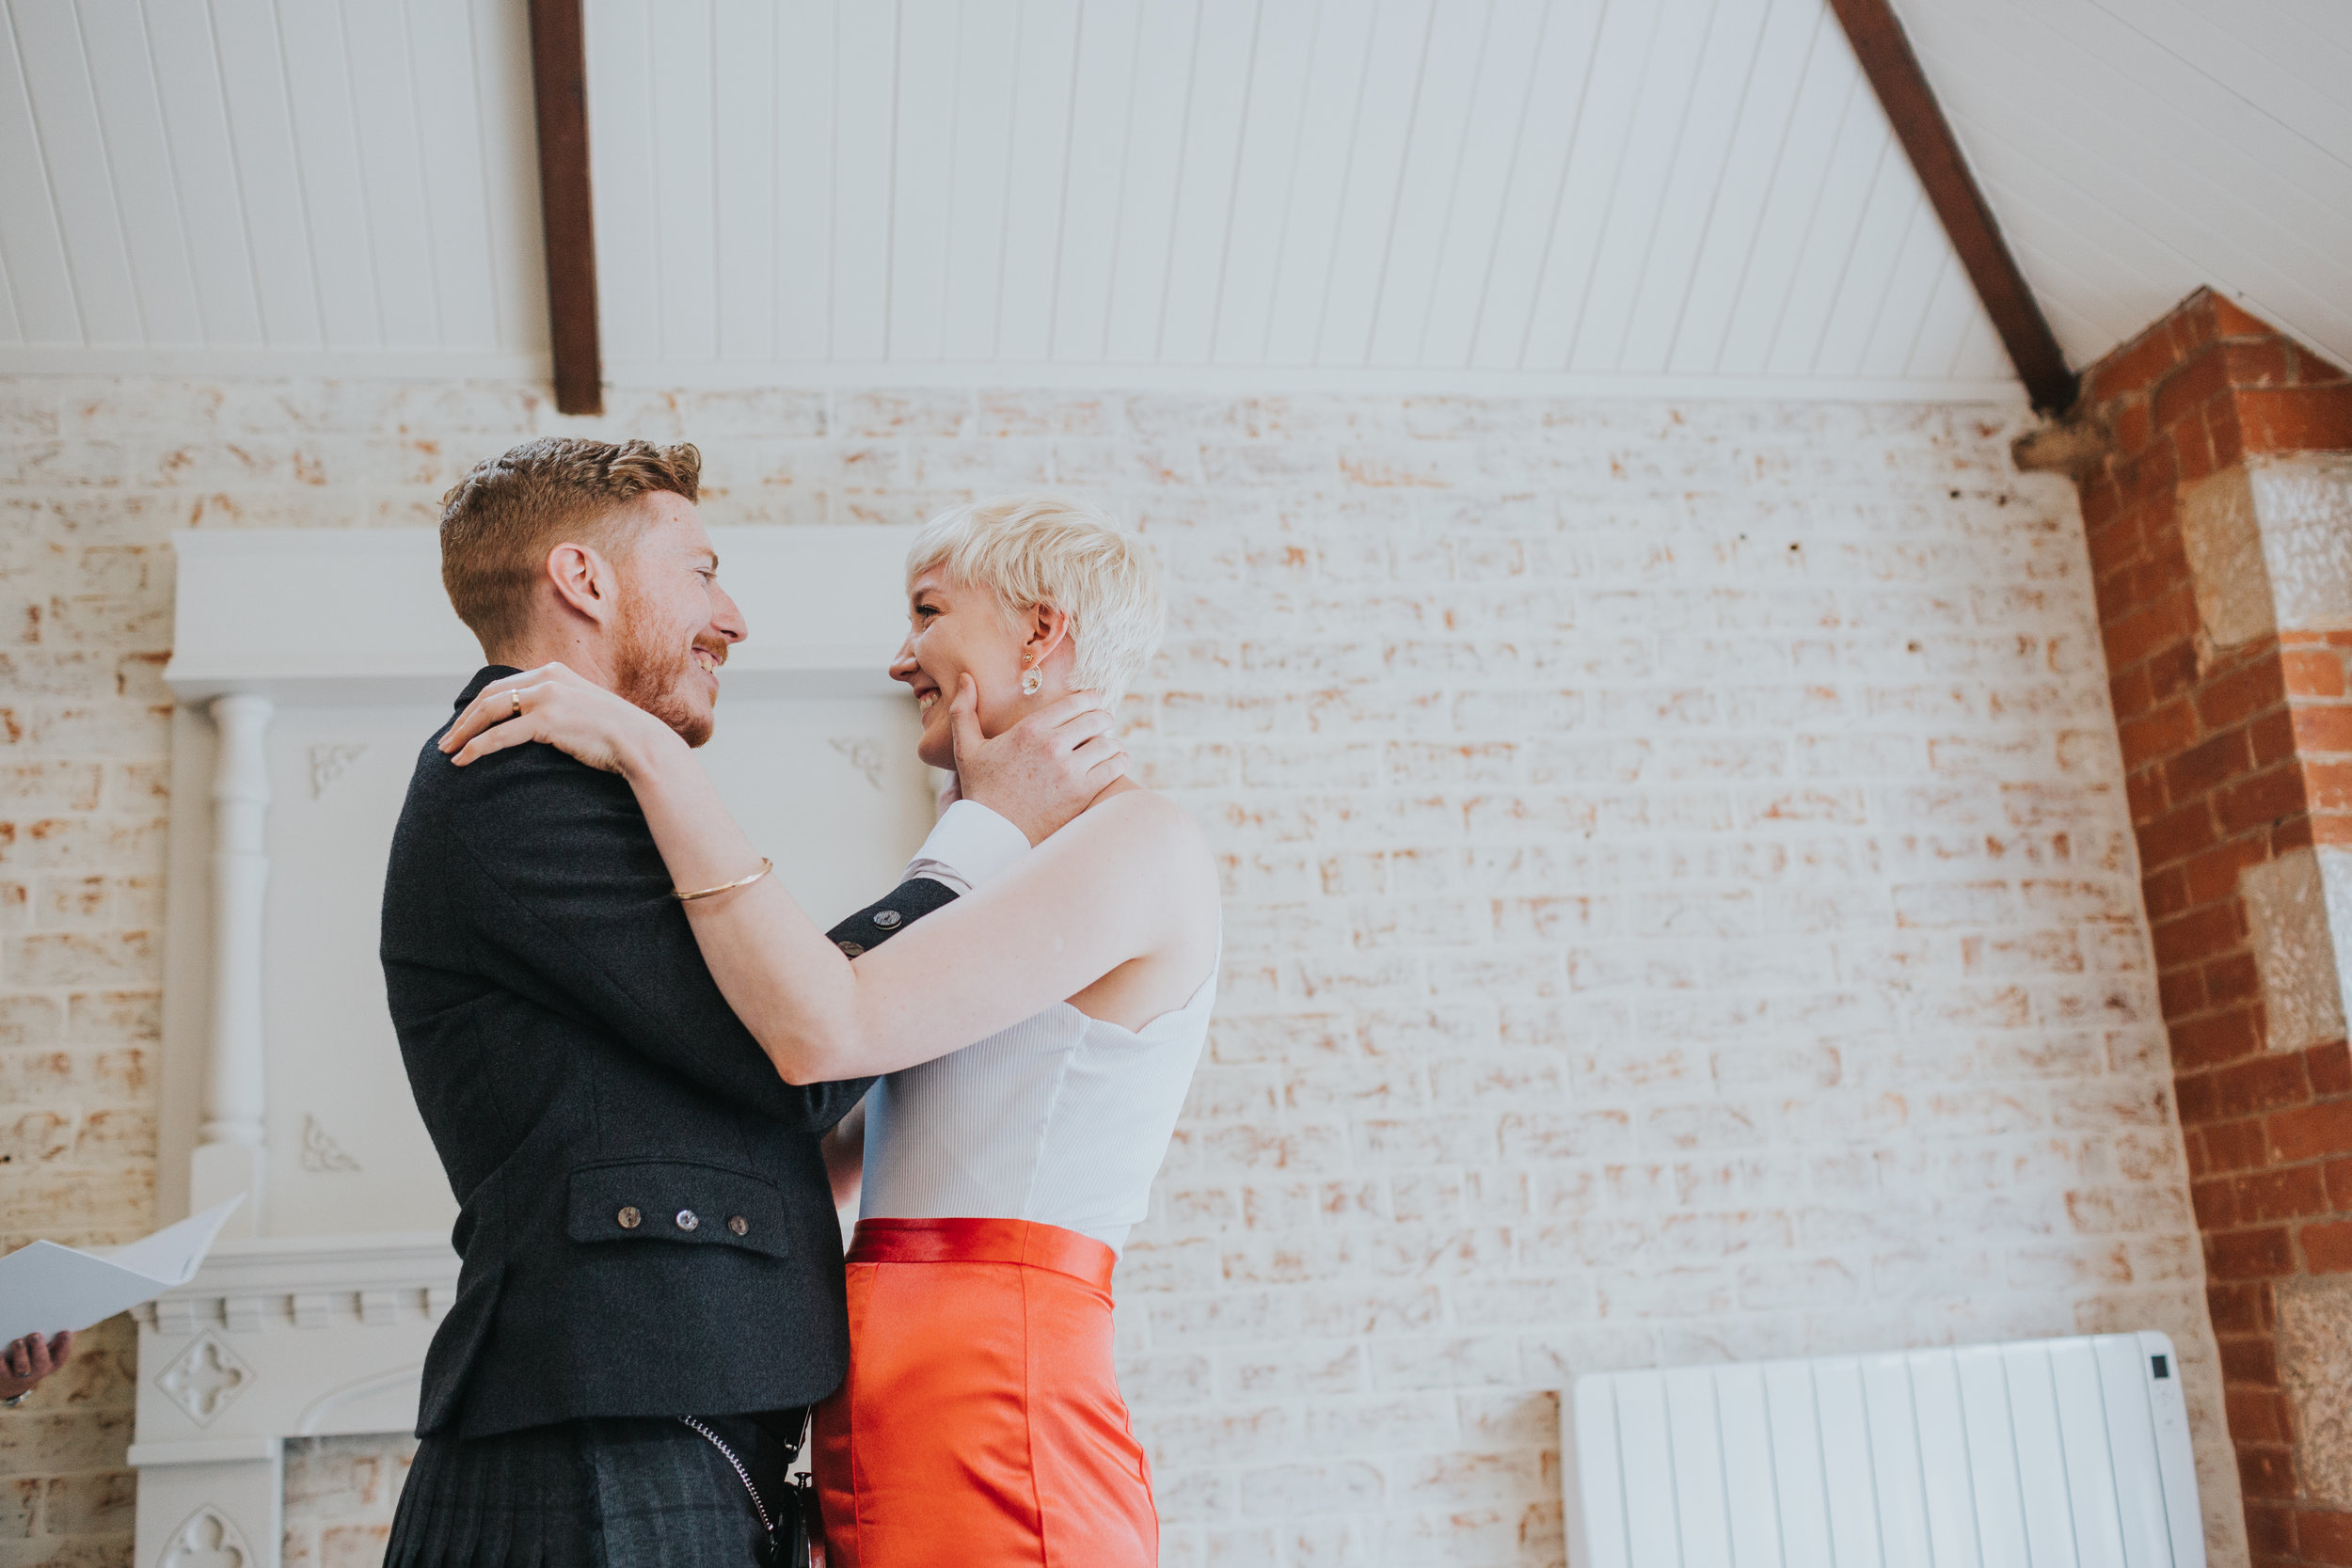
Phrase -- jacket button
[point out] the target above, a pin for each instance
(850, 949)
(887, 919)
(629, 1218)
(685, 1220)
(739, 1224)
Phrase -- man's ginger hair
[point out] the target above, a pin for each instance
(1030, 550)
(503, 517)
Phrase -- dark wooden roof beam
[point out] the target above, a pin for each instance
(1902, 90)
(559, 79)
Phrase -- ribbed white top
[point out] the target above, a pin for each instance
(1062, 1120)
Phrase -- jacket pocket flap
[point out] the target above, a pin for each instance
(676, 1200)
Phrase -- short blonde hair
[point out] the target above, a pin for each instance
(1033, 549)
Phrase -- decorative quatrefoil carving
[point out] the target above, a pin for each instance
(204, 1378)
(321, 1153)
(865, 755)
(330, 763)
(208, 1539)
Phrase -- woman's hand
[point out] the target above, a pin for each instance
(565, 710)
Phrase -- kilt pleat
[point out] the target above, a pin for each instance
(605, 1492)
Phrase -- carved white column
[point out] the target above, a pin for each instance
(218, 1505)
(230, 1156)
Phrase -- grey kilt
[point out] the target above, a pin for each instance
(601, 1492)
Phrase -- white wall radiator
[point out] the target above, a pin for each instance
(2044, 1453)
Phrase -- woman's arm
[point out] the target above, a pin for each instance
(1122, 882)
(1074, 910)
(844, 1149)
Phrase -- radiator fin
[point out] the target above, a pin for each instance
(2049, 1454)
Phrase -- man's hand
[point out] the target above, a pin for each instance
(1042, 771)
(24, 1362)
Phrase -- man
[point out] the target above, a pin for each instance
(645, 1224)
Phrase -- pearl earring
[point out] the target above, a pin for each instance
(1030, 680)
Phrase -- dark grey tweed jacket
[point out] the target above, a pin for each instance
(645, 1220)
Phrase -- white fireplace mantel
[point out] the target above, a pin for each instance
(301, 1336)
(311, 666)
(342, 615)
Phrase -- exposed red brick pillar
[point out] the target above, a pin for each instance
(2238, 748)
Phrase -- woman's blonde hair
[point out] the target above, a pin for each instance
(1032, 549)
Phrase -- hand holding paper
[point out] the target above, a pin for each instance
(44, 1287)
(23, 1364)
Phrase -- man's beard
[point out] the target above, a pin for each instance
(648, 672)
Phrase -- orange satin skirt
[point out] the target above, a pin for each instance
(980, 1425)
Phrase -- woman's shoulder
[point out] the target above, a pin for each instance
(1146, 811)
(1139, 839)
(1144, 825)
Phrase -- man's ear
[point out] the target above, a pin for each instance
(584, 580)
(1048, 628)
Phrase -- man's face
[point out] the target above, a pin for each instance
(673, 624)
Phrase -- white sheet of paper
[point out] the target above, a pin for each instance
(44, 1287)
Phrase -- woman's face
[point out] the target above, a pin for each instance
(956, 628)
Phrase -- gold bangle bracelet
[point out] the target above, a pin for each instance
(765, 866)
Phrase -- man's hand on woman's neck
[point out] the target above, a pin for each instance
(1042, 771)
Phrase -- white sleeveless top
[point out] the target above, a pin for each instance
(1062, 1120)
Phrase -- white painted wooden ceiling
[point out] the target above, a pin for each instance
(240, 183)
(2133, 150)
(1635, 195)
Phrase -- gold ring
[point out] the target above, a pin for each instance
(517, 695)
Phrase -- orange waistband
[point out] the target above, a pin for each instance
(984, 1241)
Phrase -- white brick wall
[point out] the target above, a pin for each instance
(1680, 902)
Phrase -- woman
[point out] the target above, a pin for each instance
(1037, 1037)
